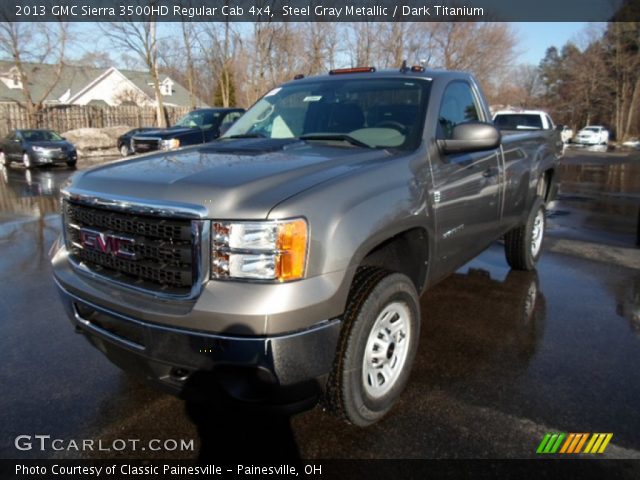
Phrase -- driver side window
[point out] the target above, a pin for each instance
(458, 106)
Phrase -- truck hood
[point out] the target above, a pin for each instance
(231, 179)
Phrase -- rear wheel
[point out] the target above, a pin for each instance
(26, 160)
(378, 343)
(124, 150)
(523, 244)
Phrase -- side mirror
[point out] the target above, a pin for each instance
(471, 137)
(560, 127)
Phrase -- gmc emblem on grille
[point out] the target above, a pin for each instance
(111, 244)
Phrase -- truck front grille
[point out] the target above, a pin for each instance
(142, 145)
(143, 251)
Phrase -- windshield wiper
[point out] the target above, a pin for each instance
(247, 135)
(335, 136)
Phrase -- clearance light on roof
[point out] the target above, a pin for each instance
(340, 71)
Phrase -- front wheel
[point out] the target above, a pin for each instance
(72, 163)
(124, 150)
(4, 160)
(378, 343)
(523, 244)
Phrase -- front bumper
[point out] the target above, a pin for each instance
(280, 369)
(45, 158)
(587, 141)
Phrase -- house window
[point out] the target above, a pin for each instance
(166, 88)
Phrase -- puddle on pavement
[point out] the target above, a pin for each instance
(598, 203)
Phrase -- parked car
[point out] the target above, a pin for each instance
(523, 120)
(124, 140)
(285, 261)
(37, 147)
(199, 126)
(593, 135)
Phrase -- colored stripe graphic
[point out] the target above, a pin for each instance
(551, 443)
(598, 443)
(605, 442)
(572, 443)
(567, 442)
(581, 443)
(543, 443)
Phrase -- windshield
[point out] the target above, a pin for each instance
(374, 113)
(591, 129)
(518, 121)
(40, 136)
(199, 119)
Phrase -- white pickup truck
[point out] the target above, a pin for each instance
(523, 120)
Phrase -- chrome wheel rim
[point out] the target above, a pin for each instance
(124, 151)
(3, 159)
(387, 348)
(26, 160)
(537, 233)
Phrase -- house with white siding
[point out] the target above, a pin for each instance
(90, 86)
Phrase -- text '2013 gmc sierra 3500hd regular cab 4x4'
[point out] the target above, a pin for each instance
(285, 260)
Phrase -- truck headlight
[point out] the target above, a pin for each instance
(270, 250)
(170, 144)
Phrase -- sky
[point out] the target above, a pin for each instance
(536, 37)
(533, 38)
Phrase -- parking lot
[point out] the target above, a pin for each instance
(505, 357)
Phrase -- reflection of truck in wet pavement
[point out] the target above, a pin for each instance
(285, 260)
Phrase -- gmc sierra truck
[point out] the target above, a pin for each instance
(284, 261)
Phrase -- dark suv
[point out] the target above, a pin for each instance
(199, 126)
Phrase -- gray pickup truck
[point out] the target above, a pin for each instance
(284, 262)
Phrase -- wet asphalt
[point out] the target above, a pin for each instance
(505, 357)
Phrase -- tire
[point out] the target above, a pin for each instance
(4, 160)
(72, 163)
(358, 391)
(26, 160)
(124, 150)
(523, 244)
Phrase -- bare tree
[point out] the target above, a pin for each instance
(130, 96)
(218, 42)
(487, 49)
(140, 38)
(187, 37)
(319, 47)
(33, 47)
(623, 41)
(95, 59)
(363, 43)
